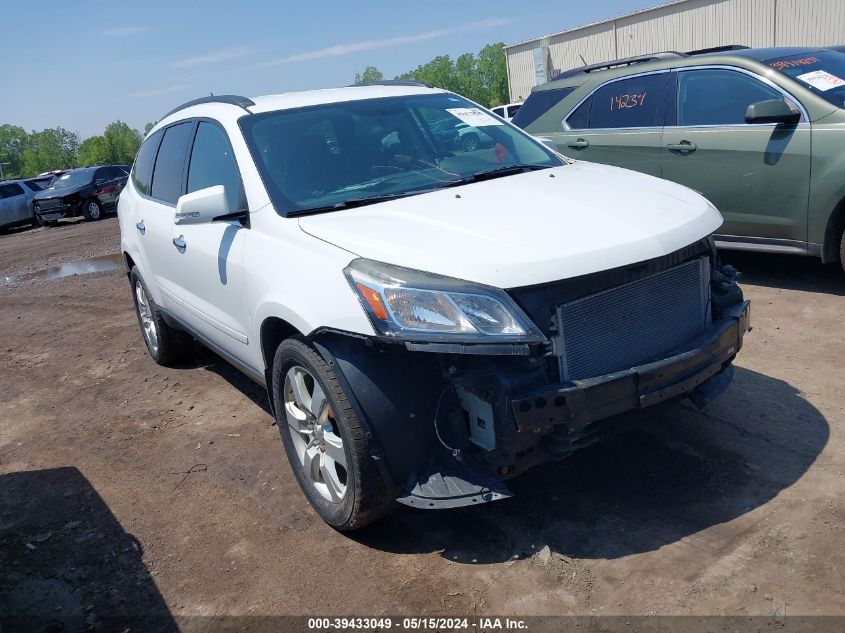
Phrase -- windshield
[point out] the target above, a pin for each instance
(315, 157)
(823, 72)
(72, 179)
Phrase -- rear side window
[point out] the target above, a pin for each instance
(11, 190)
(499, 111)
(213, 163)
(170, 162)
(512, 111)
(537, 104)
(718, 97)
(142, 172)
(634, 102)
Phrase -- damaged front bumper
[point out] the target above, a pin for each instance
(527, 427)
(448, 423)
(686, 373)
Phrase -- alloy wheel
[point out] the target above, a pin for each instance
(315, 434)
(145, 313)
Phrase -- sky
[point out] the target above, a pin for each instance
(82, 64)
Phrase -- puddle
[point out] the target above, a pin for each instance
(103, 263)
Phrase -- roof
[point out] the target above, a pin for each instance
(599, 23)
(334, 95)
(764, 54)
(231, 105)
(658, 61)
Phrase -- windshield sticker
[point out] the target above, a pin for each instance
(794, 63)
(474, 117)
(821, 80)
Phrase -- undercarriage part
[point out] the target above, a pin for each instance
(453, 482)
(480, 419)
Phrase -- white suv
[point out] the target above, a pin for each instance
(427, 320)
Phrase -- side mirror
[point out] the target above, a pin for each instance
(202, 206)
(772, 111)
(547, 142)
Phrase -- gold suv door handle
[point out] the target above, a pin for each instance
(580, 143)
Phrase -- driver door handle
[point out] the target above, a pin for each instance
(140, 226)
(179, 242)
(683, 147)
(580, 143)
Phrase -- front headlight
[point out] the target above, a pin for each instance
(420, 306)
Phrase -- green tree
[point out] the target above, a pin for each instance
(482, 78)
(370, 75)
(122, 142)
(13, 142)
(148, 127)
(493, 73)
(117, 145)
(93, 151)
(53, 148)
(439, 72)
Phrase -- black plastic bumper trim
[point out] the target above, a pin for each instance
(582, 402)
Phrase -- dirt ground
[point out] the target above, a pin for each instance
(127, 488)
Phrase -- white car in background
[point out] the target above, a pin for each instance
(427, 321)
(508, 110)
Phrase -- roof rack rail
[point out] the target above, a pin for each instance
(394, 82)
(718, 49)
(241, 102)
(627, 61)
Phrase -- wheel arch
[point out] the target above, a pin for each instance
(833, 234)
(128, 262)
(273, 331)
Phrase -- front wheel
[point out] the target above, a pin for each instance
(325, 443)
(92, 211)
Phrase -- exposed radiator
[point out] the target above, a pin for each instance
(634, 323)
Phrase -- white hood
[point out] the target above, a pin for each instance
(526, 229)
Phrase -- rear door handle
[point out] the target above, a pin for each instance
(179, 242)
(580, 143)
(683, 147)
(140, 226)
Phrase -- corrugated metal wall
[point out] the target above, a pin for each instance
(682, 26)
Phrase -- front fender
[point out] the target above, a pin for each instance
(394, 394)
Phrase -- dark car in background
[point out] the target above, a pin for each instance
(16, 201)
(90, 192)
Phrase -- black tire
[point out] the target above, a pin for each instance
(470, 142)
(367, 498)
(842, 251)
(173, 345)
(91, 210)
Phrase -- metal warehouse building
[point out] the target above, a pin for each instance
(680, 26)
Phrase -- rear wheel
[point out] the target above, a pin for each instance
(326, 446)
(165, 344)
(842, 251)
(92, 211)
